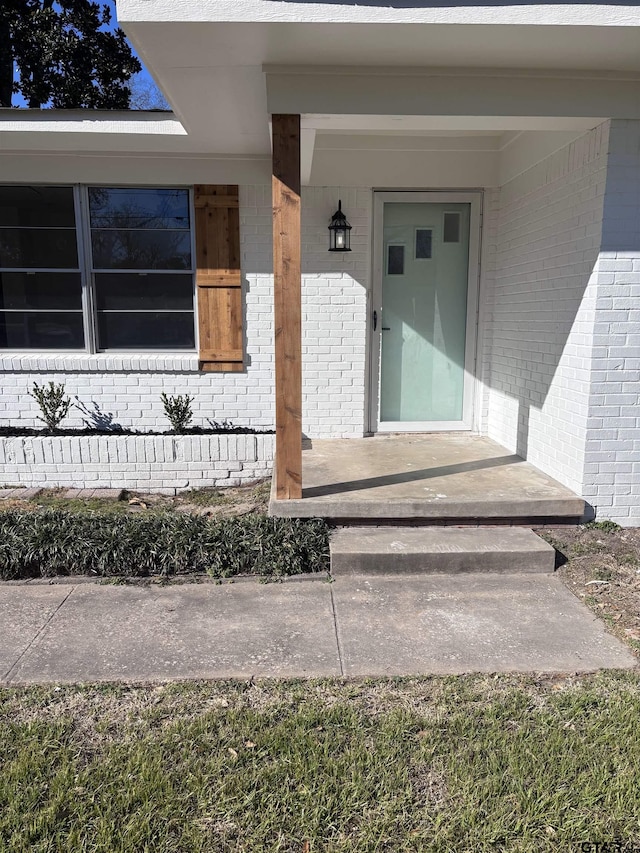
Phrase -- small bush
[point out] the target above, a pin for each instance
(49, 542)
(53, 404)
(178, 410)
(606, 526)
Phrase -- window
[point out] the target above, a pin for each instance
(451, 228)
(424, 244)
(129, 288)
(40, 278)
(141, 266)
(395, 260)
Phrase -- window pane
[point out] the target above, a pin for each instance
(37, 206)
(423, 243)
(40, 290)
(122, 330)
(122, 291)
(38, 248)
(41, 330)
(451, 228)
(152, 250)
(395, 262)
(138, 208)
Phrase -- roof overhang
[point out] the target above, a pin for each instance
(381, 67)
(225, 74)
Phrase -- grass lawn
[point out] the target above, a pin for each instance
(443, 764)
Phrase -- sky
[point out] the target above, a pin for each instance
(143, 80)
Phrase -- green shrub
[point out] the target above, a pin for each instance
(49, 542)
(53, 404)
(178, 410)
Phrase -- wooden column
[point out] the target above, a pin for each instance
(287, 305)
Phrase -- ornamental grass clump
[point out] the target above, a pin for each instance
(49, 542)
(53, 403)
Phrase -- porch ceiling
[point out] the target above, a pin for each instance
(224, 78)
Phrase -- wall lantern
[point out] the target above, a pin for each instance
(339, 232)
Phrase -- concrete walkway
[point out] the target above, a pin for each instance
(357, 626)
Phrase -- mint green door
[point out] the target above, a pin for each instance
(425, 275)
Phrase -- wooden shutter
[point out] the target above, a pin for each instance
(218, 278)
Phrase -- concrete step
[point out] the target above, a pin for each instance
(439, 549)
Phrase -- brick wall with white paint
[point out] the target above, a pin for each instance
(542, 307)
(150, 463)
(334, 314)
(612, 457)
(127, 387)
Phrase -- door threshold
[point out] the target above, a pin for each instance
(398, 430)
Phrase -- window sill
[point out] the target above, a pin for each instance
(99, 362)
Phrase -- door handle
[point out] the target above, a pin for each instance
(375, 323)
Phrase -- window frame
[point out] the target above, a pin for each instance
(87, 274)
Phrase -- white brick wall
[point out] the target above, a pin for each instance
(151, 463)
(334, 314)
(542, 308)
(128, 387)
(612, 455)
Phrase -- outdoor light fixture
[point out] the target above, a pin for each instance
(339, 232)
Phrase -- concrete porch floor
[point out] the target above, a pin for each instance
(430, 478)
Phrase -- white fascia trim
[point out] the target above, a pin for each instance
(90, 121)
(275, 11)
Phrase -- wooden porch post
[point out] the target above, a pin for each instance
(287, 305)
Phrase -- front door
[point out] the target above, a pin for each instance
(424, 310)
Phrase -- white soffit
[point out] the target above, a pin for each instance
(206, 45)
(214, 73)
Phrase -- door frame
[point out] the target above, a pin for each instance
(474, 199)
